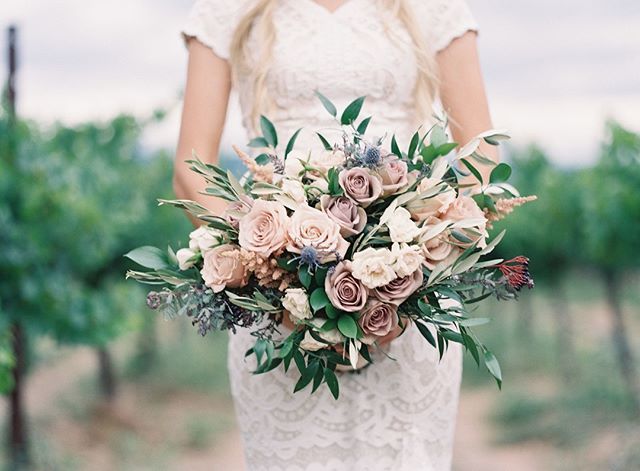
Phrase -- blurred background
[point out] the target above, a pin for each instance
(88, 125)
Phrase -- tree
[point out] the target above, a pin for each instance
(610, 221)
(72, 202)
(546, 231)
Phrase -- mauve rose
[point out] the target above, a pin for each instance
(350, 217)
(393, 173)
(310, 227)
(398, 291)
(264, 228)
(360, 185)
(377, 320)
(343, 290)
(223, 268)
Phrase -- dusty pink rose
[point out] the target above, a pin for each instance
(264, 228)
(440, 198)
(350, 217)
(236, 210)
(377, 320)
(438, 249)
(310, 227)
(223, 268)
(360, 185)
(343, 290)
(398, 291)
(465, 207)
(394, 175)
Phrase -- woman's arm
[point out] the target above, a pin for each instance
(204, 111)
(463, 96)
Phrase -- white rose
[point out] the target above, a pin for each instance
(185, 258)
(293, 166)
(401, 227)
(406, 259)
(310, 344)
(295, 189)
(373, 267)
(204, 238)
(332, 336)
(296, 302)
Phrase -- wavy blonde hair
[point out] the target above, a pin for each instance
(260, 17)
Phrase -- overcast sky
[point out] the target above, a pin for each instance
(555, 70)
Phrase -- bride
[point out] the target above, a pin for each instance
(406, 56)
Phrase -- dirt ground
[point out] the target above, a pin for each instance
(145, 429)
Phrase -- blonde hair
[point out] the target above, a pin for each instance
(260, 16)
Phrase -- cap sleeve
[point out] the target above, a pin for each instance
(444, 20)
(213, 22)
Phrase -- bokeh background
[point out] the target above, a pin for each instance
(103, 384)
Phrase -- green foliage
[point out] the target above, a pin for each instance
(73, 200)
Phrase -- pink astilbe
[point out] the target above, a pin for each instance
(506, 206)
(266, 270)
(261, 173)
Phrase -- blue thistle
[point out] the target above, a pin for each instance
(371, 157)
(309, 256)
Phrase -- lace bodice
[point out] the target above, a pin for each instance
(344, 54)
(396, 415)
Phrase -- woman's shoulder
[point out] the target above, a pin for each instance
(213, 22)
(443, 20)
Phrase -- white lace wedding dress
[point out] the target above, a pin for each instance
(393, 415)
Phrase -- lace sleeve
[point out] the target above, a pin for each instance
(444, 20)
(213, 22)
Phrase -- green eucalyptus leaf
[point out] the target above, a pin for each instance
(500, 173)
(291, 143)
(362, 127)
(318, 299)
(263, 159)
(269, 131)
(148, 257)
(328, 105)
(348, 326)
(351, 112)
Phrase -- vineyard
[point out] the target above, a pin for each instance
(78, 344)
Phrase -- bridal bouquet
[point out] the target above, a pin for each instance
(351, 244)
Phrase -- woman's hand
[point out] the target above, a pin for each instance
(206, 97)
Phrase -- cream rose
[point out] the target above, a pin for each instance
(186, 258)
(377, 320)
(350, 217)
(436, 205)
(332, 336)
(296, 302)
(310, 344)
(394, 175)
(343, 290)
(295, 189)
(360, 185)
(398, 291)
(464, 208)
(401, 227)
(373, 267)
(293, 165)
(310, 227)
(264, 228)
(223, 268)
(203, 238)
(406, 259)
